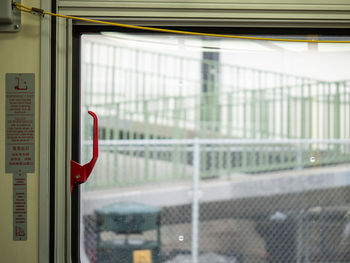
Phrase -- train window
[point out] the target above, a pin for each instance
(215, 149)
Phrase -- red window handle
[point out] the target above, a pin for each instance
(79, 173)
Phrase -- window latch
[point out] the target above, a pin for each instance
(80, 173)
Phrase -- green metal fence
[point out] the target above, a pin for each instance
(321, 113)
(134, 162)
(154, 100)
(142, 94)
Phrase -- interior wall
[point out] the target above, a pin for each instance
(20, 53)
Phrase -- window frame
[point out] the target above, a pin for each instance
(78, 31)
(65, 114)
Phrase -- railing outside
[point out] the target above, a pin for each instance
(143, 94)
(135, 162)
(154, 95)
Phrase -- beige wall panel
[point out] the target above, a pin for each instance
(19, 53)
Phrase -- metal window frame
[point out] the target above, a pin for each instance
(45, 137)
(227, 13)
(255, 16)
(63, 140)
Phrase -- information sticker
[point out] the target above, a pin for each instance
(20, 143)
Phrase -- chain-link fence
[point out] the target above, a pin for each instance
(221, 201)
(272, 194)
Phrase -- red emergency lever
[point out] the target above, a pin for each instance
(79, 174)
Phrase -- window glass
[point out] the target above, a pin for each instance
(215, 150)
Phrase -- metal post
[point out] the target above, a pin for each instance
(146, 136)
(299, 165)
(210, 113)
(299, 236)
(195, 200)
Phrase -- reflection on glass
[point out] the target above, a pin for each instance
(216, 150)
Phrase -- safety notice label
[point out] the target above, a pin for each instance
(20, 143)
